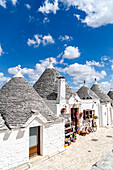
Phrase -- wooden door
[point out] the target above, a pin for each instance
(34, 141)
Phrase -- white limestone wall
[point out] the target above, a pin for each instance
(106, 114)
(61, 90)
(13, 148)
(74, 99)
(14, 145)
(53, 140)
(111, 114)
(60, 106)
(90, 105)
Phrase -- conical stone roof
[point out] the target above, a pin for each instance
(100, 93)
(86, 93)
(110, 94)
(17, 100)
(47, 85)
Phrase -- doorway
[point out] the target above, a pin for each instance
(75, 117)
(34, 141)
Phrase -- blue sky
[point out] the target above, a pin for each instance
(76, 34)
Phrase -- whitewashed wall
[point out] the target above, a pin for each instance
(112, 114)
(53, 140)
(106, 114)
(14, 146)
(91, 105)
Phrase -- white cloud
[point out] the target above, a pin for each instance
(81, 72)
(1, 50)
(98, 13)
(71, 52)
(3, 79)
(46, 20)
(76, 88)
(77, 16)
(111, 67)
(38, 39)
(94, 63)
(28, 6)
(3, 3)
(35, 73)
(105, 86)
(47, 39)
(105, 58)
(49, 7)
(65, 38)
(14, 2)
(31, 42)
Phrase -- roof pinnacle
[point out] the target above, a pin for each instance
(19, 67)
(84, 83)
(50, 63)
(95, 81)
(18, 74)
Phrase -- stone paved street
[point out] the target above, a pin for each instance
(83, 154)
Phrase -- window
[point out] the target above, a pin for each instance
(87, 114)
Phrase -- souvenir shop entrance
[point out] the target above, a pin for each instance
(75, 118)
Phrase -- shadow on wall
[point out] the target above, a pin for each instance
(6, 135)
(20, 134)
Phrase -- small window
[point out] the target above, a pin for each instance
(87, 114)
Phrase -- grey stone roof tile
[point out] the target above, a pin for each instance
(47, 85)
(100, 93)
(17, 100)
(85, 93)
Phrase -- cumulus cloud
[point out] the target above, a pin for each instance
(38, 39)
(105, 86)
(35, 73)
(45, 20)
(81, 72)
(71, 52)
(47, 39)
(1, 50)
(14, 2)
(28, 6)
(3, 3)
(65, 38)
(3, 79)
(94, 63)
(111, 67)
(98, 13)
(49, 7)
(77, 16)
(105, 58)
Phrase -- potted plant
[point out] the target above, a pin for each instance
(95, 121)
(95, 117)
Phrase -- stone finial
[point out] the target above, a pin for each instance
(19, 67)
(95, 81)
(50, 60)
(18, 74)
(84, 82)
(50, 63)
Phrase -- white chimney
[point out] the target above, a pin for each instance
(61, 90)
